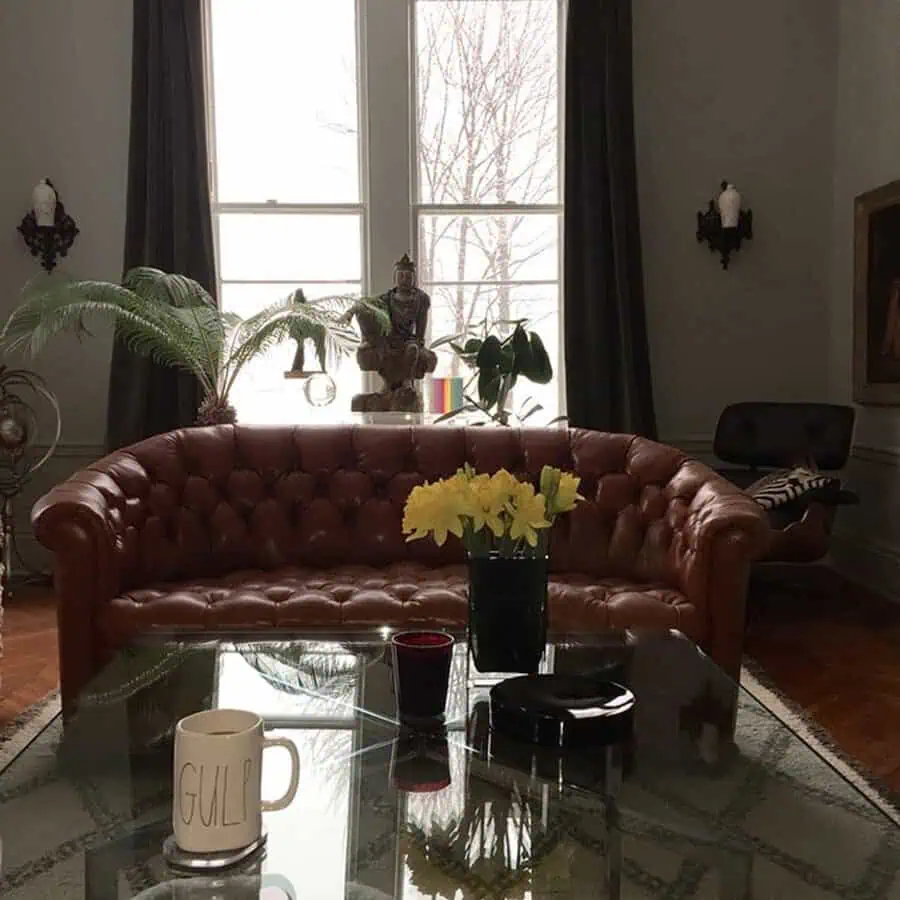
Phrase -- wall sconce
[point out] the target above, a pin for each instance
(724, 225)
(49, 231)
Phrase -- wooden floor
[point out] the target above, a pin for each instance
(29, 667)
(834, 653)
(837, 655)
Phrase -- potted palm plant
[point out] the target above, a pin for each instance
(174, 320)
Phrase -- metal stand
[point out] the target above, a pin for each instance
(21, 454)
(6, 535)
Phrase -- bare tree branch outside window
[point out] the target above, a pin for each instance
(487, 133)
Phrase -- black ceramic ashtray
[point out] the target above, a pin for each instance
(563, 711)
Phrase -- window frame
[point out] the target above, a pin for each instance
(274, 207)
(390, 208)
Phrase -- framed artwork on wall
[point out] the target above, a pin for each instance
(876, 296)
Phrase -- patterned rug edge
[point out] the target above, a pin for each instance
(756, 682)
(27, 726)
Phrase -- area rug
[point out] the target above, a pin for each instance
(810, 834)
(805, 727)
(19, 733)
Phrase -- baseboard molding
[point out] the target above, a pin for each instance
(871, 563)
(882, 456)
(701, 445)
(74, 451)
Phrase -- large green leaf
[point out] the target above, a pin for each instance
(521, 348)
(490, 354)
(537, 367)
(461, 351)
(489, 382)
(507, 360)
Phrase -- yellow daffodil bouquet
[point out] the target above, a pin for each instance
(492, 514)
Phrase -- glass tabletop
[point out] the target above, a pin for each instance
(689, 805)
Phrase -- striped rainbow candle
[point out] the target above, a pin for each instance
(446, 394)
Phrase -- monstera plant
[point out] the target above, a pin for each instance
(173, 320)
(497, 362)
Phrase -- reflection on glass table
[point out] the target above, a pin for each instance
(680, 808)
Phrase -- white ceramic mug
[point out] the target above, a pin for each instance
(218, 779)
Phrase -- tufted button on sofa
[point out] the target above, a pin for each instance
(254, 528)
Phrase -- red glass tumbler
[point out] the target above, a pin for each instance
(421, 674)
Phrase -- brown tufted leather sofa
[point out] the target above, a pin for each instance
(236, 528)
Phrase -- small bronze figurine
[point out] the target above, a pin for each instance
(399, 357)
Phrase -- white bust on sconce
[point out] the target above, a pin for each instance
(724, 225)
(729, 205)
(47, 229)
(43, 202)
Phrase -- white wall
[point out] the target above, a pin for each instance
(744, 91)
(65, 67)
(867, 154)
(723, 88)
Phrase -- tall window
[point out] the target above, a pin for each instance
(346, 133)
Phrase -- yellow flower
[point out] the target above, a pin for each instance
(560, 489)
(504, 483)
(458, 487)
(489, 505)
(527, 510)
(416, 512)
(434, 509)
(567, 495)
(466, 503)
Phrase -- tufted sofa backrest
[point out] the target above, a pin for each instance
(203, 501)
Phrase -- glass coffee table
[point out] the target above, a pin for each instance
(687, 806)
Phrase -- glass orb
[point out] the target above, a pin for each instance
(13, 432)
(320, 389)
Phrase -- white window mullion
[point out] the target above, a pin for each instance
(559, 366)
(212, 174)
(385, 28)
(316, 209)
(488, 209)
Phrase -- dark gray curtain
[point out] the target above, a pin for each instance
(168, 223)
(607, 357)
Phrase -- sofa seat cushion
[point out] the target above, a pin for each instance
(350, 596)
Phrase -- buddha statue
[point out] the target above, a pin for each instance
(400, 357)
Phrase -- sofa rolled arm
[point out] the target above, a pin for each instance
(78, 524)
(722, 534)
(720, 507)
(70, 511)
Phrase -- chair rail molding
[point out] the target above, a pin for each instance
(888, 455)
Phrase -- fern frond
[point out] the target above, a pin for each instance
(52, 307)
(164, 287)
(292, 318)
(375, 306)
(196, 309)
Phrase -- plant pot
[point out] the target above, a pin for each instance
(507, 613)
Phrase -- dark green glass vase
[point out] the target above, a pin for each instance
(507, 613)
